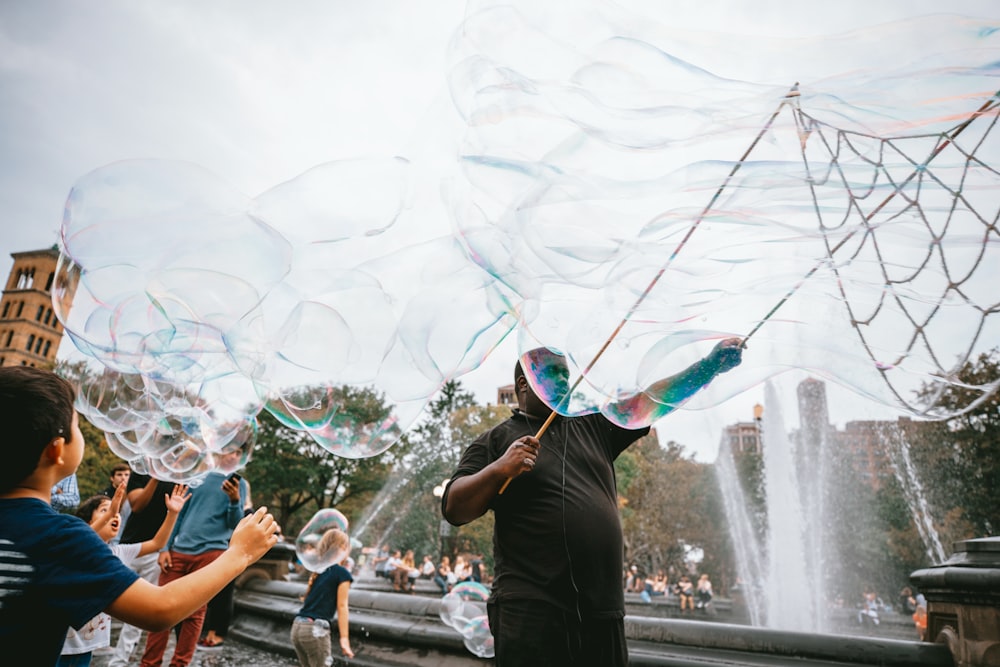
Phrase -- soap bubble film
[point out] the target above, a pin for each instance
(323, 541)
(197, 307)
(463, 608)
(666, 189)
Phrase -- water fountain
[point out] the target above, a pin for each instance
(786, 563)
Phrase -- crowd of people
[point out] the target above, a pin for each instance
(400, 569)
(58, 572)
(913, 605)
(555, 596)
(689, 595)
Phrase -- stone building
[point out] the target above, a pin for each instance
(30, 333)
(506, 395)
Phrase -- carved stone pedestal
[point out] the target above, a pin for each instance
(963, 602)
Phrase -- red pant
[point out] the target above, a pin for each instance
(187, 641)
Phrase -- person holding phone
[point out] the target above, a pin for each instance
(201, 535)
(219, 613)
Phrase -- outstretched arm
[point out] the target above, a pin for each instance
(663, 396)
(139, 498)
(155, 608)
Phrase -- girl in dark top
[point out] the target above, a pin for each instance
(326, 597)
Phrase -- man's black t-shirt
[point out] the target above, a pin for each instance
(142, 526)
(557, 534)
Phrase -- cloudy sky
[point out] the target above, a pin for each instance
(258, 92)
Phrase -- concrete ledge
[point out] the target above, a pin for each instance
(397, 629)
(775, 644)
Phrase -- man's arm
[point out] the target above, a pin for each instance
(663, 396)
(467, 498)
(156, 608)
(139, 498)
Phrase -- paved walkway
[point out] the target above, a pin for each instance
(233, 654)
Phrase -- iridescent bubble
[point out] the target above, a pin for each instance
(318, 551)
(323, 541)
(200, 306)
(641, 191)
(464, 609)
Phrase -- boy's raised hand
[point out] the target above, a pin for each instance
(113, 511)
(255, 535)
(117, 500)
(175, 500)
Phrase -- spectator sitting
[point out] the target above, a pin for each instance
(463, 571)
(685, 591)
(444, 578)
(657, 586)
(394, 570)
(704, 591)
(427, 568)
(381, 561)
(407, 573)
(631, 575)
(868, 614)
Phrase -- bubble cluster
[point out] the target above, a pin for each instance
(662, 189)
(196, 307)
(464, 609)
(324, 540)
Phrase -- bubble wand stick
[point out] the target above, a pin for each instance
(789, 96)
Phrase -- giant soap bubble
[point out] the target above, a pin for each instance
(197, 307)
(324, 540)
(640, 192)
(464, 609)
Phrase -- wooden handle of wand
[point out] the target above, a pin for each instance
(543, 429)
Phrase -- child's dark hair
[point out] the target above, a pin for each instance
(87, 508)
(36, 407)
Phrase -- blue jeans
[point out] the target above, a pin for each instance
(529, 633)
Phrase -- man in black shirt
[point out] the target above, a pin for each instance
(557, 595)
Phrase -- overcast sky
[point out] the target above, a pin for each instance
(258, 92)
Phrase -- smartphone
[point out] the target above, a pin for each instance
(235, 478)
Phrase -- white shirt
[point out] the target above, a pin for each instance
(96, 633)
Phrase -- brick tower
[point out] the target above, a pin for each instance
(30, 333)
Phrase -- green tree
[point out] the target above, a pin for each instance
(959, 459)
(671, 501)
(464, 426)
(407, 515)
(294, 476)
(93, 474)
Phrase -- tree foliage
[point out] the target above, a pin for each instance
(959, 459)
(670, 502)
(294, 476)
